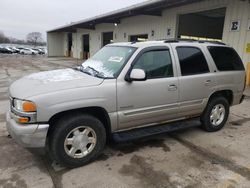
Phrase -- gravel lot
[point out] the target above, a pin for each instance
(190, 158)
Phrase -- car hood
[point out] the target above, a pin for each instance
(51, 81)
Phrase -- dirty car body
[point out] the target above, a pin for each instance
(124, 87)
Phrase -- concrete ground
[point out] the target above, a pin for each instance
(189, 158)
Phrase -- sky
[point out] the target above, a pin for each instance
(19, 17)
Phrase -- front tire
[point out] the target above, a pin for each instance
(77, 140)
(215, 115)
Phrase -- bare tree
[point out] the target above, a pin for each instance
(1, 34)
(3, 38)
(34, 38)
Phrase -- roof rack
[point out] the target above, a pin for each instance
(213, 42)
(192, 40)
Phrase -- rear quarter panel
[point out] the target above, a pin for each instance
(231, 80)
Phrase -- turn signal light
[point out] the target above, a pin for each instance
(29, 106)
(23, 120)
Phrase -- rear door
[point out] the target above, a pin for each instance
(195, 78)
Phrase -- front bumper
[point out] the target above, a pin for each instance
(27, 135)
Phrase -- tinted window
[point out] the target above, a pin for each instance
(156, 64)
(226, 59)
(192, 61)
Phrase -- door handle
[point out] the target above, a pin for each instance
(172, 87)
(208, 83)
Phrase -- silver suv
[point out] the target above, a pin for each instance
(125, 91)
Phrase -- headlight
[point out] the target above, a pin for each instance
(24, 106)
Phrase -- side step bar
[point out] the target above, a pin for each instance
(154, 130)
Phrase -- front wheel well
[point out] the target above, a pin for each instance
(227, 94)
(97, 112)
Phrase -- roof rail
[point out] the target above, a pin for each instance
(213, 42)
(179, 40)
(170, 40)
(192, 40)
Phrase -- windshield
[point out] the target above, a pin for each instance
(108, 62)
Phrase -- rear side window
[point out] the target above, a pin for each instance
(192, 61)
(225, 58)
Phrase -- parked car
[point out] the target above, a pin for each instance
(20, 48)
(39, 51)
(45, 51)
(28, 51)
(125, 91)
(5, 50)
(10, 49)
(14, 49)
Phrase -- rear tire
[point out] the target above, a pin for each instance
(215, 115)
(77, 140)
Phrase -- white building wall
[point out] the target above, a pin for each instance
(65, 44)
(55, 43)
(141, 25)
(75, 47)
(236, 10)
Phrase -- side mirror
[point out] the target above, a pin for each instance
(137, 75)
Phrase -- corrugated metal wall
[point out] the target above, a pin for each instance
(168, 22)
(55, 43)
(238, 10)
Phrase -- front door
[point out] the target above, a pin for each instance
(142, 103)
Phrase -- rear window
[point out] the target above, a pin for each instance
(226, 59)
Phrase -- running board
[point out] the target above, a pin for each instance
(154, 130)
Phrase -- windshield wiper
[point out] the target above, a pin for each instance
(97, 73)
(81, 68)
(91, 68)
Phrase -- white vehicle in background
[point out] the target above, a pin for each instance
(40, 51)
(14, 49)
(45, 51)
(28, 51)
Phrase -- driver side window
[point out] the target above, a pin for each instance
(156, 64)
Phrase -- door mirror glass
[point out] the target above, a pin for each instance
(137, 75)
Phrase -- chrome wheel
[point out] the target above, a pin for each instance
(80, 142)
(217, 114)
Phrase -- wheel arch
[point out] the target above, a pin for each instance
(227, 94)
(98, 112)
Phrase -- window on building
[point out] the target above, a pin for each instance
(192, 61)
(225, 58)
(156, 64)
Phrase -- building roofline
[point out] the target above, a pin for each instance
(151, 7)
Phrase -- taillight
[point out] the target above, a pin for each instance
(245, 83)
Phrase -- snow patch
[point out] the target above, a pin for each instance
(56, 75)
